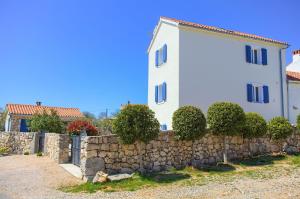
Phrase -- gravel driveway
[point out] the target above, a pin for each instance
(31, 177)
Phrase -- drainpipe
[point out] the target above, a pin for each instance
(281, 81)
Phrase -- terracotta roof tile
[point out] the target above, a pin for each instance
(294, 76)
(221, 30)
(24, 109)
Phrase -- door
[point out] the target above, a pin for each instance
(76, 150)
(41, 142)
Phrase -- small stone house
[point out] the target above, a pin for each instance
(19, 114)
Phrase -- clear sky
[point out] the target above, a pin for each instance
(93, 54)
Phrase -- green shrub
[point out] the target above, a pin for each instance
(39, 154)
(225, 118)
(189, 123)
(298, 122)
(136, 123)
(255, 126)
(46, 122)
(3, 150)
(26, 153)
(279, 128)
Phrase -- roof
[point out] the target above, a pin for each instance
(25, 109)
(294, 76)
(224, 31)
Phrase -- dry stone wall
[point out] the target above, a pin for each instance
(106, 153)
(57, 147)
(19, 142)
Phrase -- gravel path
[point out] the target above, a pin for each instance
(30, 177)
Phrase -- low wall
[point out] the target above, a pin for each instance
(57, 147)
(19, 142)
(106, 153)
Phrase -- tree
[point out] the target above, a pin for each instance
(226, 119)
(105, 125)
(46, 122)
(3, 114)
(78, 126)
(89, 115)
(279, 128)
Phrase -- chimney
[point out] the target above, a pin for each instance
(38, 103)
(296, 55)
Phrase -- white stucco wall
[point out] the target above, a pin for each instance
(294, 101)
(168, 72)
(7, 124)
(214, 68)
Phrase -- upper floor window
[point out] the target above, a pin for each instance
(257, 93)
(163, 127)
(161, 55)
(161, 93)
(256, 55)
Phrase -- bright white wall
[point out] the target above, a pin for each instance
(168, 72)
(213, 68)
(7, 123)
(294, 101)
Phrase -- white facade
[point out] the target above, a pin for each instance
(204, 67)
(294, 88)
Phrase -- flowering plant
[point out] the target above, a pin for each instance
(76, 127)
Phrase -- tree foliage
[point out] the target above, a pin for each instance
(189, 123)
(255, 126)
(79, 126)
(226, 118)
(279, 128)
(136, 123)
(46, 122)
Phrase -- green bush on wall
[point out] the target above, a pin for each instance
(298, 122)
(136, 123)
(189, 123)
(255, 126)
(279, 128)
(226, 118)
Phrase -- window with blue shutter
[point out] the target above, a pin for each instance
(248, 54)
(156, 94)
(264, 56)
(163, 127)
(161, 55)
(164, 91)
(249, 92)
(165, 53)
(23, 126)
(156, 58)
(266, 94)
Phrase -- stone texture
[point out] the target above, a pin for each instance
(18, 143)
(112, 157)
(57, 147)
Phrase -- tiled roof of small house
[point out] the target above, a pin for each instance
(294, 76)
(224, 31)
(25, 109)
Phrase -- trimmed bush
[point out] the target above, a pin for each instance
(255, 126)
(46, 122)
(26, 153)
(189, 123)
(298, 122)
(279, 128)
(136, 123)
(226, 118)
(78, 126)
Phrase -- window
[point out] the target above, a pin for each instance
(161, 93)
(256, 55)
(163, 127)
(257, 93)
(161, 56)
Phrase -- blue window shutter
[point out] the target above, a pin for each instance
(163, 127)
(164, 91)
(23, 126)
(156, 94)
(264, 56)
(248, 54)
(266, 94)
(156, 58)
(165, 53)
(249, 92)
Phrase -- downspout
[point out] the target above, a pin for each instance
(281, 80)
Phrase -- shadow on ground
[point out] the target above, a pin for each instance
(261, 160)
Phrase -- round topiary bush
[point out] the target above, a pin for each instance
(136, 123)
(255, 126)
(225, 118)
(279, 128)
(189, 123)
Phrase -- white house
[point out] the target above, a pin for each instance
(194, 64)
(293, 79)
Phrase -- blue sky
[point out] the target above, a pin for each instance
(92, 54)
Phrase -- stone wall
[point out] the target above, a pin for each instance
(57, 147)
(19, 142)
(106, 153)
